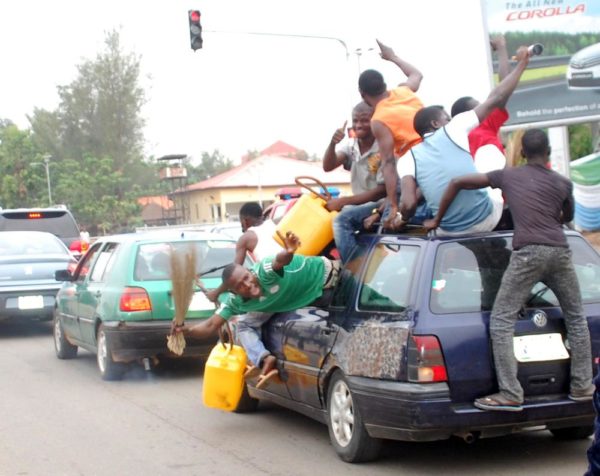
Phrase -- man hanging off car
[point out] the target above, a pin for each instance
(280, 283)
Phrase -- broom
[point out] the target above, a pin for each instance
(183, 275)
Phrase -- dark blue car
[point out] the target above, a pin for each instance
(401, 348)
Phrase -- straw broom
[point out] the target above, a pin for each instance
(183, 275)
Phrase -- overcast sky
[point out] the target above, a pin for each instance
(242, 92)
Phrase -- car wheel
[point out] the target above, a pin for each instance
(109, 369)
(64, 349)
(247, 404)
(573, 432)
(347, 431)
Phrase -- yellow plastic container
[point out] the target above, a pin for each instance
(309, 220)
(224, 376)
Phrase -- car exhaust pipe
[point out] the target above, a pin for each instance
(467, 437)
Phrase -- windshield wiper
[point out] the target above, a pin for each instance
(212, 270)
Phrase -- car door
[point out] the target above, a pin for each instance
(309, 334)
(90, 293)
(69, 295)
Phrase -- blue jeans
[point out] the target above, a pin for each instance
(422, 213)
(347, 223)
(249, 335)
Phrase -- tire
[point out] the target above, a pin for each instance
(64, 349)
(347, 431)
(573, 432)
(247, 404)
(109, 369)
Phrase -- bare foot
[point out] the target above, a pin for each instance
(268, 364)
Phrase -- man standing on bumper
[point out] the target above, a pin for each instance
(540, 200)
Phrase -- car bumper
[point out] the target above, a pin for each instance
(425, 412)
(134, 340)
(12, 305)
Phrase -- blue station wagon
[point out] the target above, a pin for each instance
(401, 348)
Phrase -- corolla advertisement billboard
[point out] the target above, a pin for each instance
(562, 84)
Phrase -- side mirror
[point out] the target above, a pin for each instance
(63, 275)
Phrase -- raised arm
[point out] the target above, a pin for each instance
(500, 94)
(290, 244)
(499, 46)
(413, 75)
(331, 158)
(466, 182)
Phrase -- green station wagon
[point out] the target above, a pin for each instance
(118, 302)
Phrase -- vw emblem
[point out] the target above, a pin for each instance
(539, 318)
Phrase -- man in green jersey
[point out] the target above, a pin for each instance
(280, 283)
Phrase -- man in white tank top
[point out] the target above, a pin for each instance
(257, 241)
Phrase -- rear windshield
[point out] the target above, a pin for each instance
(58, 222)
(153, 262)
(467, 275)
(30, 244)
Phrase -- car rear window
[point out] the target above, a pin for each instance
(467, 275)
(30, 244)
(58, 222)
(153, 259)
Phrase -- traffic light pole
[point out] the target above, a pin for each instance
(289, 35)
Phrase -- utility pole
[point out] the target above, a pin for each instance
(46, 164)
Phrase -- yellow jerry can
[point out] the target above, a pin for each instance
(309, 220)
(224, 375)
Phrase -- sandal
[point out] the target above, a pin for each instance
(251, 371)
(264, 378)
(497, 402)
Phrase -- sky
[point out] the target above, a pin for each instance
(243, 91)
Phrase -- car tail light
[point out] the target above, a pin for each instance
(425, 360)
(134, 299)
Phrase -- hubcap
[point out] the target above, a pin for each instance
(341, 413)
(102, 352)
(57, 334)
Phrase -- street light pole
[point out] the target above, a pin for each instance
(46, 164)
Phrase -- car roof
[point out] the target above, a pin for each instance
(166, 235)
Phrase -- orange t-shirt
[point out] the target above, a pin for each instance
(397, 112)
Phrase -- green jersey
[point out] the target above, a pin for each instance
(295, 286)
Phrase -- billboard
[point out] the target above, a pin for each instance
(562, 85)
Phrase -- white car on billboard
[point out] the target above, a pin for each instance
(584, 68)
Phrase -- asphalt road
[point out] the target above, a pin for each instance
(59, 418)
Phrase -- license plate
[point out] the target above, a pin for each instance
(583, 75)
(539, 348)
(200, 302)
(31, 302)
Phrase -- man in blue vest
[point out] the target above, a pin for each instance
(444, 154)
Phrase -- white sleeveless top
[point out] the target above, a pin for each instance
(266, 245)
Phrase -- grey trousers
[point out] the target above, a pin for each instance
(553, 266)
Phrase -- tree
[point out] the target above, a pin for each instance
(209, 166)
(20, 184)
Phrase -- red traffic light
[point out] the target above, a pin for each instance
(195, 16)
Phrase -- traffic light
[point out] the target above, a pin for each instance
(195, 29)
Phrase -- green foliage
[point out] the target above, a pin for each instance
(580, 140)
(209, 166)
(555, 43)
(95, 141)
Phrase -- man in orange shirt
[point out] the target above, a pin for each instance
(392, 121)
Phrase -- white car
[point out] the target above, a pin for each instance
(584, 68)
